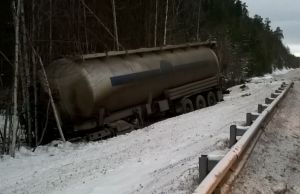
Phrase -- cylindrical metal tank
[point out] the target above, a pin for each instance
(83, 87)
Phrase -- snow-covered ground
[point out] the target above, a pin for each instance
(161, 158)
(281, 71)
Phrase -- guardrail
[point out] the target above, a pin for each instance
(223, 172)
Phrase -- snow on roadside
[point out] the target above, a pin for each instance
(161, 158)
(274, 74)
(281, 71)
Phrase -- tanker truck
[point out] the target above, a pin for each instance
(113, 92)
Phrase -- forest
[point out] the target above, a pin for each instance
(34, 33)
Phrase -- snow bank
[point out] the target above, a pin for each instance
(281, 71)
(275, 73)
(266, 77)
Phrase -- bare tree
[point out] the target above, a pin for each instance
(155, 24)
(34, 69)
(5, 140)
(50, 29)
(198, 20)
(16, 11)
(27, 74)
(166, 22)
(85, 30)
(56, 114)
(100, 22)
(115, 23)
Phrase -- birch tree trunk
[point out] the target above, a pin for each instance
(115, 23)
(14, 124)
(155, 24)
(166, 22)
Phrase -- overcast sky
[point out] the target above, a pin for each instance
(282, 13)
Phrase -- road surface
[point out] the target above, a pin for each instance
(274, 166)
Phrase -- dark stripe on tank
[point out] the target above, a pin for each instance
(165, 67)
(124, 79)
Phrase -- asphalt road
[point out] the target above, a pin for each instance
(274, 166)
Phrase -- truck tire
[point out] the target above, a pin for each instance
(200, 102)
(187, 105)
(211, 99)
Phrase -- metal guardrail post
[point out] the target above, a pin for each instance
(273, 95)
(206, 164)
(234, 132)
(241, 130)
(250, 117)
(269, 100)
(203, 167)
(232, 136)
(261, 108)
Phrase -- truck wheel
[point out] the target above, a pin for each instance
(187, 105)
(200, 102)
(211, 99)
